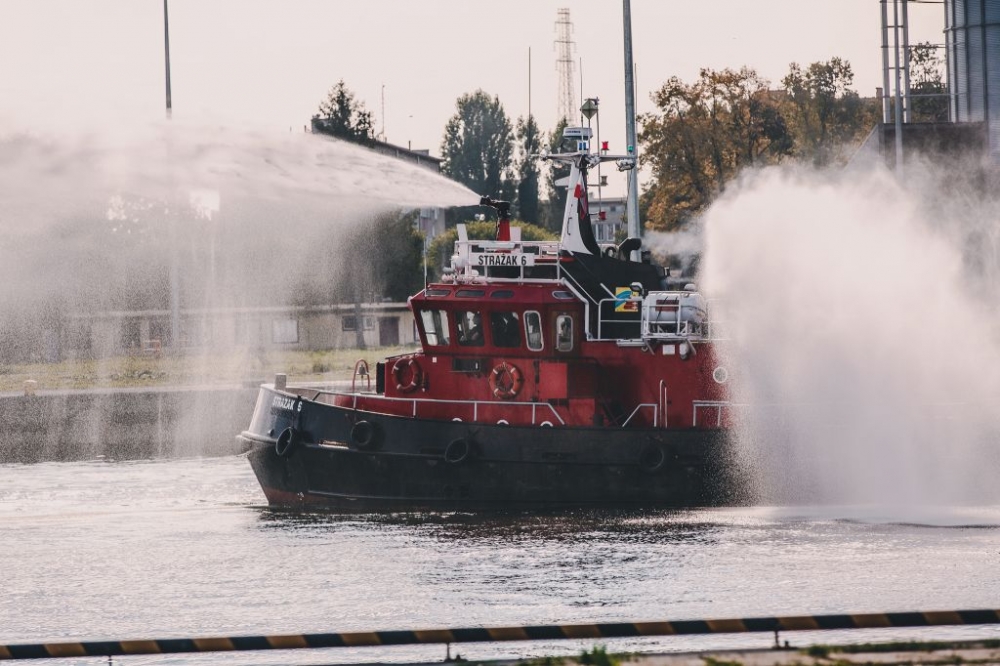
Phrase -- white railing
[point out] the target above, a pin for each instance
(478, 259)
(474, 404)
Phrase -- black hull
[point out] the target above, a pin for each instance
(396, 463)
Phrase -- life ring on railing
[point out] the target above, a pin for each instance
(506, 381)
(399, 372)
(286, 442)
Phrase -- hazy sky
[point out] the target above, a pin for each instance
(270, 62)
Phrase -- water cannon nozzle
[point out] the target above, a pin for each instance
(501, 207)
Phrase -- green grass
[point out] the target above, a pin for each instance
(222, 367)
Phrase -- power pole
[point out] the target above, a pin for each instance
(566, 103)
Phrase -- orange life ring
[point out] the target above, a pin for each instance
(416, 374)
(506, 381)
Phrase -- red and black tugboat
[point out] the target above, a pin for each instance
(550, 374)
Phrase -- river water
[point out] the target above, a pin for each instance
(186, 547)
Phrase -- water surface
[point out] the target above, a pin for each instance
(178, 548)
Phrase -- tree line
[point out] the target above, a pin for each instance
(700, 136)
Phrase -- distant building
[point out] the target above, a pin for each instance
(103, 334)
(612, 220)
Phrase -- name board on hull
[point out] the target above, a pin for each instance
(494, 259)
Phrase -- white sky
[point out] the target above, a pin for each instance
(270, 62)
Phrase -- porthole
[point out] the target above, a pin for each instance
(720, 375)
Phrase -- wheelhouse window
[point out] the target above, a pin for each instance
(506, 329)
(470, 328)
(564, 333)
(533, 330)
(435, 323)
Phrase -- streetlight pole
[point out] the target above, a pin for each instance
(166, 52)
(632, 207)
(175, 278)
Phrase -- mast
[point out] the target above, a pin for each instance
(632, 207)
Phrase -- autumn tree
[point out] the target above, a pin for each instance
(828, 119)
(343, 116)
(702, 135)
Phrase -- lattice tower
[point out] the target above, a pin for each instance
(566, 103)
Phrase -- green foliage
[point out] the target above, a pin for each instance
(380, 258)
(712, 661)
(342, 116)
(543, 661)
(818, 651)
(478, 145)
(551, 213)
(441, 248)
(528, 144)
(928, 91)
(598, 656)
(702, 135)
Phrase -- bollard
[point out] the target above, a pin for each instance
(280, 381)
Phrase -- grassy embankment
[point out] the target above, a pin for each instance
(233, 367)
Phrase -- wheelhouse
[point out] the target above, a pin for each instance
(515, 320)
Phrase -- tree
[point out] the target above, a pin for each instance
(826, 115)
(702, 135)
(928, 92)
(552, 210)
(477, 148)
(528, 143)
(344, 117)
(441, 247)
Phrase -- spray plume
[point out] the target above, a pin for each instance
(863, 336)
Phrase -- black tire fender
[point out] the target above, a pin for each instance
(458, 451)
(287, 442)
(652, 458)
(365, 435)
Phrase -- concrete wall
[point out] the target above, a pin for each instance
(123, 424)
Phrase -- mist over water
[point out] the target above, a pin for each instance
(105, 211)
(862, 325)
(118, 218)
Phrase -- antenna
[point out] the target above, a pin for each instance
(566, 102)
(166, 54)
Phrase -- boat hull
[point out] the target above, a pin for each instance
(321, 455)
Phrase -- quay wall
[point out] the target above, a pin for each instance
(123, 424)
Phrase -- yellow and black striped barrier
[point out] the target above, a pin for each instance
(489, 634)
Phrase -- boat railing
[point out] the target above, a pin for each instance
(506, 261)
(643, 406)
(648, 327)
(711, 412)
(603, 322)
(539, 410)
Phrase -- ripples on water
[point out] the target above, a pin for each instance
(177, 548)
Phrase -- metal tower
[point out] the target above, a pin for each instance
(566, 103)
